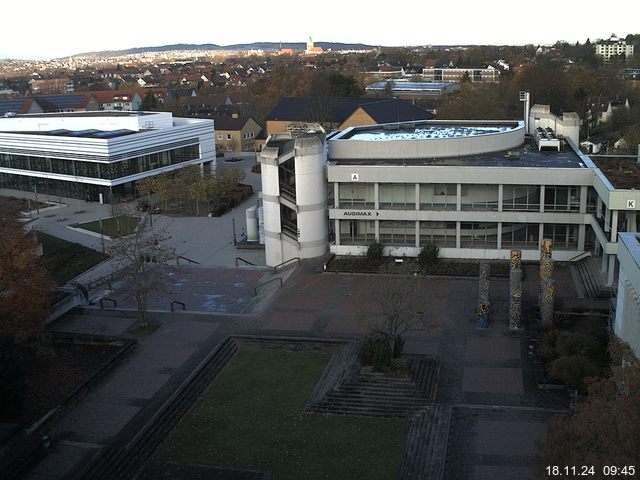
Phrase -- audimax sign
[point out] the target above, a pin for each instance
(360, 213)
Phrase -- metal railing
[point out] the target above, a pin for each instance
(285, 263)
(114, 304)
(255, 290)
(105, 279)
(178, 257)
(176, 302)
(243, 260)
(580, 256)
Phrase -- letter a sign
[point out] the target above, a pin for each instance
(354, 177)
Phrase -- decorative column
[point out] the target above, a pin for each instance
(546, 264)
(515, 290)
(547, 288)
(482, 309)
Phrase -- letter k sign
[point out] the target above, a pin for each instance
(631, 204)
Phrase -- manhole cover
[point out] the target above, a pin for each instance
(79, 211)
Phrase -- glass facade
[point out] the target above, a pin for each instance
(357, 232)
(561, 199)
(442, 196)
(521, 198)
(398, 233)
(107, 170)
(397, 196)
(478, 235)
(479, 197)
(356, 195)
(520, 235)
(441, 234)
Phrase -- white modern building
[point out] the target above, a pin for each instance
(627, 318)
(98, 155)
(613, 47)
(476, 189)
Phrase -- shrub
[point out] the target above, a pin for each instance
(375, 350)
(573, 369)
(577, 343)
(375, 252)
(12, 377)
(428, 256)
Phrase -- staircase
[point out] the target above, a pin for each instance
(377, 395)
(589, 280)
(426, 448)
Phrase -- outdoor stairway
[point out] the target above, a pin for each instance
(117, 462)
(426, 448)
(377, 395)
(587, 275)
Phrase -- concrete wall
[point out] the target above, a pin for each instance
(345, 148)
(627, 321)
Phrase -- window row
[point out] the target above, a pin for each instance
(444, 234)
(411, 196)
(108, 171)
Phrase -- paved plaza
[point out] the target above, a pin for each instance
(486, 375)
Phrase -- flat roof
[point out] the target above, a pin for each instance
(96, 113)
(425, 132)
(521, 158)
(622, 173)
(411, 86)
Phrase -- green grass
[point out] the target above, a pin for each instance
(112, 226)
(66, 260)
(251, 417)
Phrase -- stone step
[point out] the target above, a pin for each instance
(426, 446)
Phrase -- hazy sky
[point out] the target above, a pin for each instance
(43, 29)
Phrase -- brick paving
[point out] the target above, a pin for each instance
(485, 376)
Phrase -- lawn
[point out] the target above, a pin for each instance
(113, 226)
(65, 260)
(251, 417)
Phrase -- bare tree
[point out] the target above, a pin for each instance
(402, 308)
(142, 256)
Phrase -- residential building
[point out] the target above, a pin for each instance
(408, 90)
(98, 155)
(475, 189)
(300, 114)
(41, 86)
(456, 75)
(613, 47)
(235, 133)
(627, 308)
(118, 100)
(600, 109)
(75, 102)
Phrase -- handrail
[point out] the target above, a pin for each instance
(580, 256)
(245, 261)
(102, 300)
(176, 302)
(255, 290)
(107, 278)
(294, 259)
(178, 257)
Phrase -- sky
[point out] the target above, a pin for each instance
(45, 29)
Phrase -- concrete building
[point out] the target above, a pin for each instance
(476, 189)
(236, 133)
(98, 155)
(627, 314)
(456, 75)
(294, 197)
(613, 47)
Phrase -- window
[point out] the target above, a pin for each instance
(356, 195)
(479, 197)
(523, 235)
(357, 232)
(564, 237)
(441, 234)
(438, 196)
(398, 233)
(228, 136)
(219, 136)
(398, 196)
(478, 235)
(521, 198)
(561, 199)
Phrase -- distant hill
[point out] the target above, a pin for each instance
(239, 46)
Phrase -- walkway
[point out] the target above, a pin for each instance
(486, 379)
